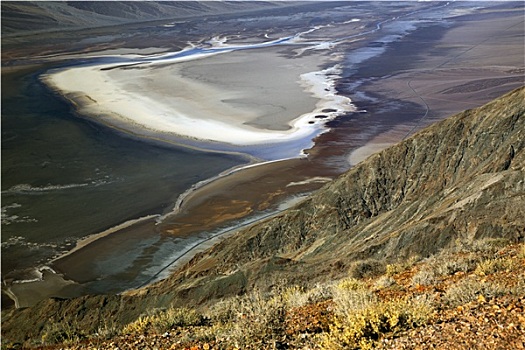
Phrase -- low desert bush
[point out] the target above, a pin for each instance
(366, 268)
(459, 264)
(348, 284)
(361, 328)
(176, 317)
(481, 246)
(490, 266)
(424, 277)
(164, 321)
(350, 295)
(465, 257)
(519, 288)
(384, 282)
(353, 300)
(394, 269)
(62, 332)
(138, 326)
(470, 289)
(107, 330)
(224, 311)
(521, 252)
(256, 319)
(295, 296)
(447, 264)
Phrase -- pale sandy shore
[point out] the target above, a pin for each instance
(242, 98)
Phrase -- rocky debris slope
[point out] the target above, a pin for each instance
(452, 300)
(458, 181)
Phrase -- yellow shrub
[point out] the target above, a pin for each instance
(350, 284)
(295, 296)
(254, 318)
(384, 282)
(471, 288)
(62, 332)
(362, 328)
(164, 321)
(138, 326)
(393, 269)
(490, 266)
(521, 252)
(350, 295)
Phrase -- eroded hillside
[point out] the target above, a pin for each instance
(456, 182)
(462, 178)
(23, 17)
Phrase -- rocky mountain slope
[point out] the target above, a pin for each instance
(20, 17)
(460, 179)
(454, 183)
(451, 300)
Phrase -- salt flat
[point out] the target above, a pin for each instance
(246, 97)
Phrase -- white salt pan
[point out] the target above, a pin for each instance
(240, 98)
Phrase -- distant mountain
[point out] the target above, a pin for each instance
(25, 16)
(458, 181)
